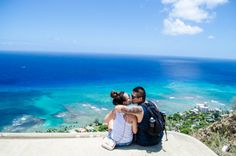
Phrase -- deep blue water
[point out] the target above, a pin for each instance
(43, 70)
(50, 90)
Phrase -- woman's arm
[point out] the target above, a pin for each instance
(132, 119)
(109, 116)
(134, 125)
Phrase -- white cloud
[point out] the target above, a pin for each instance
(168, 1)
(210, 37)
(193, 10)
(213, 3)
(196, 11)
(188, 10)
(178, 27)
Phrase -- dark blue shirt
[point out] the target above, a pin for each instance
(142, 136)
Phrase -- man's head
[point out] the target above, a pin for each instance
(138, 95)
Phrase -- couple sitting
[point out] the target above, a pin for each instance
(129, 123)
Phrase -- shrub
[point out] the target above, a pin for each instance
(177, 117)
(102, 128)
(185, 130)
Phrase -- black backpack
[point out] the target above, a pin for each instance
(160, 121)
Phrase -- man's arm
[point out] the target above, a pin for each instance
(135, 110)
(129, 110)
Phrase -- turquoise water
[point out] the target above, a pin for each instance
(41, 92)
(83, 104)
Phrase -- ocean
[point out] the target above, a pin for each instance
(40, 91)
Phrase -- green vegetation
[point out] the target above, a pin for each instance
(102, 128)
(96, 126)
(58, 130)
(214, 128)
(189, 122)
(216, 142)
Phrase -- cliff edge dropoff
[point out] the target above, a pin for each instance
(219, 134)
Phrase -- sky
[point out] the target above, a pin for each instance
(194, 28)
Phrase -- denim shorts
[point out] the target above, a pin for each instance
(119, 144)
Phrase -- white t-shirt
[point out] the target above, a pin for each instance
(122, 130)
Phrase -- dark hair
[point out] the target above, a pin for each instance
(118, 97)
(114, 94)
(140, 92)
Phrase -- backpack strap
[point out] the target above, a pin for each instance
(149, 109)
(165, 126)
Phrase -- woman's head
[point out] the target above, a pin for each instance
(120, 98)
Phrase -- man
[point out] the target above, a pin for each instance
(143, 116)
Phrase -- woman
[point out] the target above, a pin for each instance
(121, 129)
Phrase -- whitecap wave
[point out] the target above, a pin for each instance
(60, 115)
(94, 107)
(214, 101)
(23, 123)
(188, 97)
(85, 105)
(104, 109)
(77, 112)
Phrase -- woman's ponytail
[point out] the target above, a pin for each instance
(114, 94)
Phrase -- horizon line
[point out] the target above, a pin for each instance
(76, 53)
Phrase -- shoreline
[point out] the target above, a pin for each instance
(174, 122)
